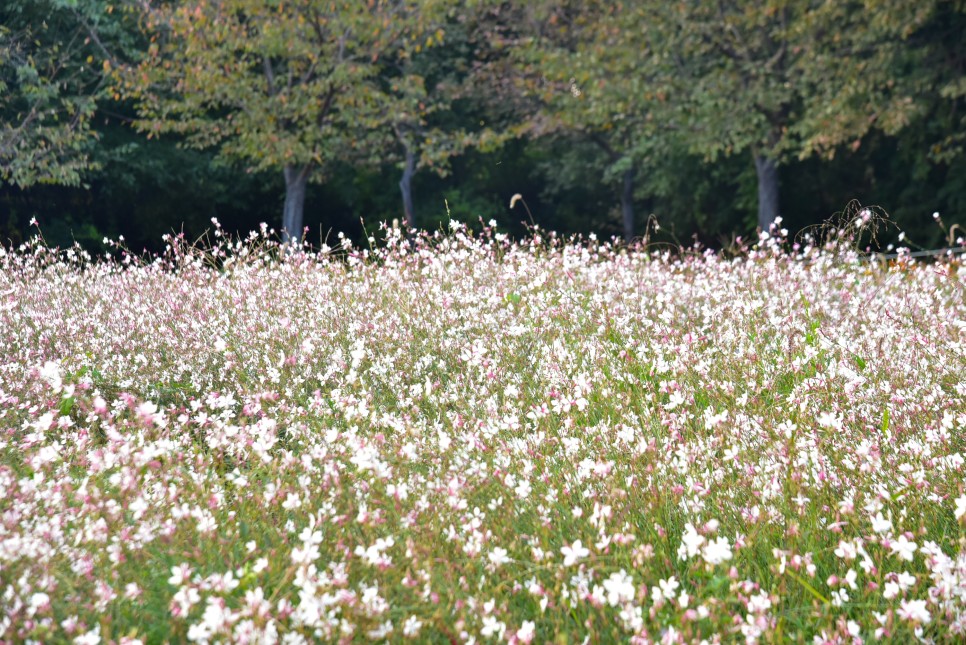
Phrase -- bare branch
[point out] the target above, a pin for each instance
(269, 75)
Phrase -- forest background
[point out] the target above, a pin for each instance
(137, 118)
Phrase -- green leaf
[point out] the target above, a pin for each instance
(808, 587)
(66, 405)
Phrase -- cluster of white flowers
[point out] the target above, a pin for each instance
(462, 438)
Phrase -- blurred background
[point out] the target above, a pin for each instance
(137, 118)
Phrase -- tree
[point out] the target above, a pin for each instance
(783, 79)
(586, 85)
(910, 74)
(423, 81)
(54, 59)
(778, 81)
(290, 86)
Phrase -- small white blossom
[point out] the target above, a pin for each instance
(960, 507)
(914, 611)
(717, 551)
(527, 632)
(498, 556)
(574, 553)
(903, 547)
(620, 588)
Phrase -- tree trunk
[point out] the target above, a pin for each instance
(767, 171)
(406, 187)
(627, 205)
(296, 179)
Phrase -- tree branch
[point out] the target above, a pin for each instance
(604, 145)
(269, 75)
(95, 38)
(326, 104)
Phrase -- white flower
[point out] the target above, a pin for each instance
(492, 627)
(216, 616)
(307, 535)
(850, 579)
(132, 591)
(903, 548)
(668, 587)
(891, 590)
(574, 553)
(760, 603)
(690, 542)
(960, 507)
(184, 599)
(179, 574)
(498, 556)
(43, 422)
(829, 420)
(380, 632)
(717, 552)
(375, 554)
(906, 580)
(620, 588)
(50, 373)
(527, 631)
(412, 626)
(38, 602)
(914, 610)
(92, 637)
(846, 550)
(881, 524)
(674, 400)
(840, 597)
(307, 555)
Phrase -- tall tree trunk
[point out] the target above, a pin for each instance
(406, 187)
(767, 171)
(296, 179)
(627, 205)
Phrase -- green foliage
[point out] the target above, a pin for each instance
(49, 81)
(863, 100)
(55, 58)
(653, 82)
(423, 81)
(272, 84)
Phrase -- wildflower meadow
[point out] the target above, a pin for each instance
(460, 438)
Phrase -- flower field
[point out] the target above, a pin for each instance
(463, 439)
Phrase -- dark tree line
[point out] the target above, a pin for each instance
(124, 117)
